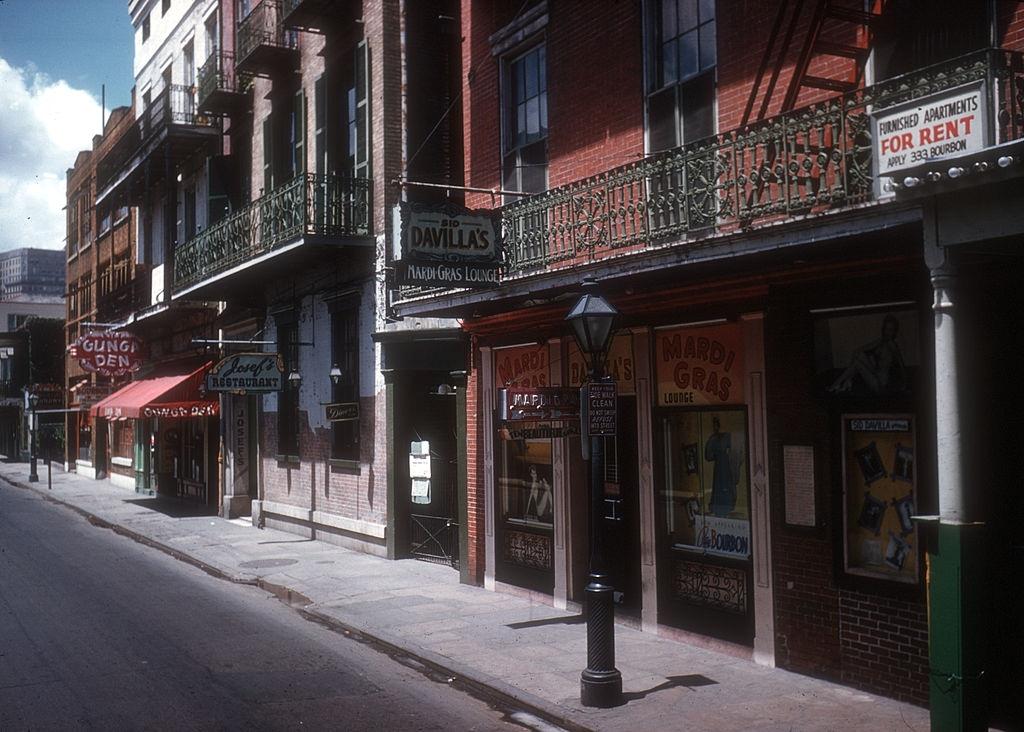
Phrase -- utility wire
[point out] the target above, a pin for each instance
(455, 100)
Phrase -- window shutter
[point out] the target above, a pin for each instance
(320, 126)
(361, 164)
(299, 133)
(268, 155)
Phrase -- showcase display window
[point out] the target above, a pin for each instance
(879, 537)
(707, 497)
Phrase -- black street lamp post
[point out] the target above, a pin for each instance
(33, 475)
(591, 319)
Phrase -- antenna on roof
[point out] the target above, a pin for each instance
(103, 107)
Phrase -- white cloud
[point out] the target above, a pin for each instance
(43, 125)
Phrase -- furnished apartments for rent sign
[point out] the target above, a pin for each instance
(448, 246)
(951, 123)
(247, 373)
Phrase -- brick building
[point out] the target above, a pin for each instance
(103, 280)
(151, 428)
(806, 459)
(316, 119)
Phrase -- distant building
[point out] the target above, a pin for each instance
(30, 271)
(16, 310)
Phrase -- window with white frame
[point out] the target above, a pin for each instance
(525, 110)
(681, 84)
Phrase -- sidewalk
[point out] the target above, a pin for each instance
(531, 652)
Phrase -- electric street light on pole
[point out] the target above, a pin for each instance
(33, 475)
(591, 319)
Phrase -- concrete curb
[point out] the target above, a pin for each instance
(457, 675)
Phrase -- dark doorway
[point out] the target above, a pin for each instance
(622, 508)
(426, 465)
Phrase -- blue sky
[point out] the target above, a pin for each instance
(55, 56)
(86, 43)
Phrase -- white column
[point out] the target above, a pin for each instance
(643, 377)
(952, 504)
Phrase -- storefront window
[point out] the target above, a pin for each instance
(525, 483)
(706, 497)
(345, 389)
(288, 397)
(703, 497)
(85, 424)
(122, 441)
(524, 477)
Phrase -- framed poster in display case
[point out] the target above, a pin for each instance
(879, 488)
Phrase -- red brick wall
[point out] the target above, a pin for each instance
(595, 91)
(884, 644)
(1010, 25)
(474, 472)
(873, 636)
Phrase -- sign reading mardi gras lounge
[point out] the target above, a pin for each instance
(524, 366)
(699, 366)
(448, 246)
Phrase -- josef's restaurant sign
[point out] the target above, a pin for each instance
(247, 373)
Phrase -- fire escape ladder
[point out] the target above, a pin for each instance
(831, 20)
(766, 61)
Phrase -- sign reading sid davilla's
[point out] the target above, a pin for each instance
(448, 246)
(247, 373)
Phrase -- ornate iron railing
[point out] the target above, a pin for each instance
(174, 105)
(218, 74)
(308, 205)
(804, 162)
(263, 27)
(322, 9)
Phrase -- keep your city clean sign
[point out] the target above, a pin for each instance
(448, 246)
(247, 373)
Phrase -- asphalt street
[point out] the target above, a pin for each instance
(100, 632)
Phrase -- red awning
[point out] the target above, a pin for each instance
(160, 396)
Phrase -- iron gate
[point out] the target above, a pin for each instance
(434, 536)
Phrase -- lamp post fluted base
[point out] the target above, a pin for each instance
(600, 682)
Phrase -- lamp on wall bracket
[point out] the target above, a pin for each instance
(335, 374)
(294, 378)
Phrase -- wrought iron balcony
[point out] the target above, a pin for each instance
(221, 89)
(311, 15)
(262, 43)
(310, 208)
(797, 165)
(174, 107)
(121, 290)
(171, 125)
